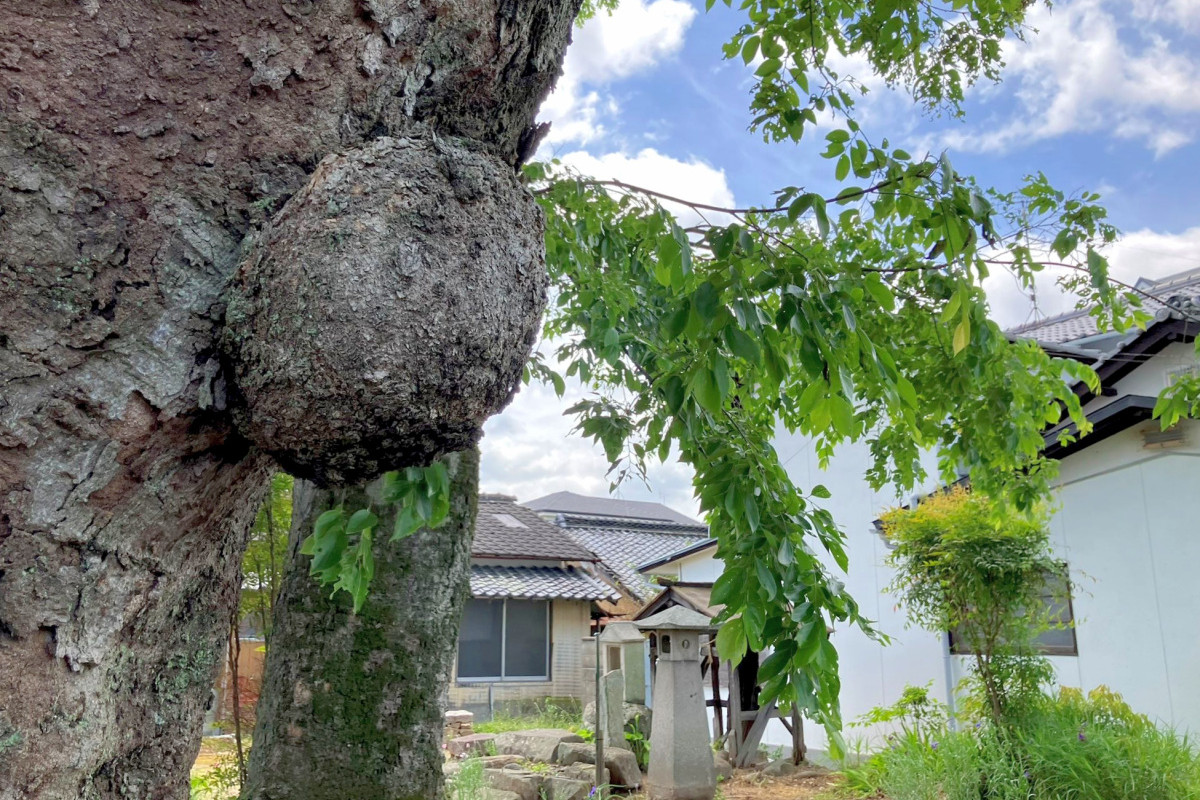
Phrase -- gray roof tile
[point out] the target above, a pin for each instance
(1080, 324)
(623, 545)
(504, 529)
(545, 583)
(571, 503)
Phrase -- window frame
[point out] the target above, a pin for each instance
(1072, 650)
(549, 604)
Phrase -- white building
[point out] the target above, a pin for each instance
(1127, 525)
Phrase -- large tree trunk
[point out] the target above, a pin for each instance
(148, 151)
(351, 704)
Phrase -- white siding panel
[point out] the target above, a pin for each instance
(1116, 608)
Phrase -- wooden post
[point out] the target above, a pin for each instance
(714, 666)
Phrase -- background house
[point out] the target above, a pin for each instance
(623, 534)
(528, 620)
(1127, 525)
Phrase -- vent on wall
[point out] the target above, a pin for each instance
(1158, 439)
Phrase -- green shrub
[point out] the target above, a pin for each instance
(1066, 747)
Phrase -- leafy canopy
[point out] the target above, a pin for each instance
(851, 315)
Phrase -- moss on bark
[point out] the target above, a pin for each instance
(352, 703)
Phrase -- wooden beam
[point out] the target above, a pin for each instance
(749, 749)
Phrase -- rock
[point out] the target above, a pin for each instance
(500, 761)
(621, 764)
(560, 788)
(538, 744)
(810, 771)
(474, 743)
(779, 767)
(521, 782)
(724, 769)
(584, 771)
(496, 794)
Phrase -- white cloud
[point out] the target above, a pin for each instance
(650, 169)
(637, 36)
(1084, 71)
(1172, 12)
(529, 451)
(1140, 254)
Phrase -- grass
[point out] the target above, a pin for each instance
(1069, 747)
(544, 715)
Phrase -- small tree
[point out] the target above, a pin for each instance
(967, 566)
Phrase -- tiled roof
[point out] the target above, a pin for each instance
(623, 545)
(1180, 289)
(504, 529)
(543, 583)
(571, 503)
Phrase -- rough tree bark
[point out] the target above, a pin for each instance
(351, 704)
(148, 151)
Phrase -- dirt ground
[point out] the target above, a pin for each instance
(753, 785)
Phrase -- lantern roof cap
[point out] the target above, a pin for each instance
(621, 632)
(676, 618)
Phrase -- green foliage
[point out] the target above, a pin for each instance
(705, 342)
(469, 782)
(218, 782)
(963, 564)
(263, 560)
(1069, 748)
(637, 742)
(1181, 399)
(917, 715)
(341, 541)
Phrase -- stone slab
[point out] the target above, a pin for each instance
(538, 744)
(473, 743)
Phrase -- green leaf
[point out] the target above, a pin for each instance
(766, 580)
(769, 67)
(750, 49)
(842, 169)
(326, 521)
(962, 335)
(821, 492)
(361, 520)
(808, 641)
(742, 345)
(703, 387)
(731, 641)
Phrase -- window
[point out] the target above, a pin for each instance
(1055, 642)
(504, 640)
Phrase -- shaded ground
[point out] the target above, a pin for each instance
(753, 785)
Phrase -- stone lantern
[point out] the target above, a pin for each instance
(681, 757)
(624, 648)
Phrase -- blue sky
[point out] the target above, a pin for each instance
(1104, 96)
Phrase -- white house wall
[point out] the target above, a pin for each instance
(1128, 524)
